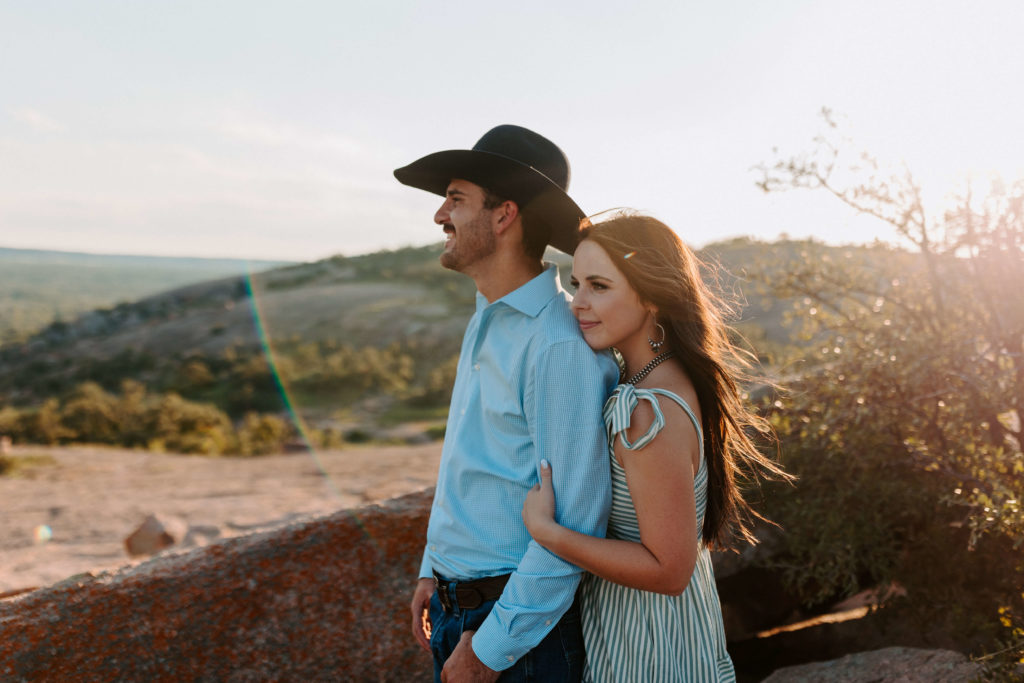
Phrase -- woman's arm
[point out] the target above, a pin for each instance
(660, 479)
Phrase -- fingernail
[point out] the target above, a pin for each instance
(544, 464)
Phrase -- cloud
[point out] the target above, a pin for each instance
(36, 120)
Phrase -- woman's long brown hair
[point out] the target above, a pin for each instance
(666, 273)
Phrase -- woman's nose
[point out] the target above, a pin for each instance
(578, 301)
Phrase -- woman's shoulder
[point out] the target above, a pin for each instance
(676, 388)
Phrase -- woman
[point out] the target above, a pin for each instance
(679, 434)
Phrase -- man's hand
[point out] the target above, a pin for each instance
(463, 665)
(421, 612)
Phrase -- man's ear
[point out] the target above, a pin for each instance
(505, 215)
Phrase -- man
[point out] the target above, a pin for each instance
(490, 600)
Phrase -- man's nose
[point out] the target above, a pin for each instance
(441, 216)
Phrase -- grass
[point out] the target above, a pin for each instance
(400, 414)
(17, 465)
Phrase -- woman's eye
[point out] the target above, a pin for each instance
(598, 286)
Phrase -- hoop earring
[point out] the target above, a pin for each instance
(656, 345)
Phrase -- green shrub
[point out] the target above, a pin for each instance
(185, 427)
(89, 415)
(43, 424)
(11, 423)
(358, 436)
(262, 434)
(904, 420)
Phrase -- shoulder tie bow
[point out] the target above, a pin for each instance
(618, 411)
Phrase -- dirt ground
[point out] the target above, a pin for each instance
(65, 511)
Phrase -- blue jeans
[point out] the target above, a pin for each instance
(559, 657)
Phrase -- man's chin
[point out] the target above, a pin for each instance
(448, 260)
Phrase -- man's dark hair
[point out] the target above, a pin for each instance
(535, 233)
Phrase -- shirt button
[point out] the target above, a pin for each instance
(462, 412)
(547, 623)
(476, 366)
(434, 547)
(511, 658)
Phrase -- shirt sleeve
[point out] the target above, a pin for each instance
(563, 408)
(426, 569)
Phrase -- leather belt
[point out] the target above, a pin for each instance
(468, 594)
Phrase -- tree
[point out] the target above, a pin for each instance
(185, 427)
(262, 434)
(133, 415)
(90, 415)
(43, 424)
(905, 419)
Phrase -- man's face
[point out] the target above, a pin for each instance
(467, 226)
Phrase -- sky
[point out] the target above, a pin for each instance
(269, 130)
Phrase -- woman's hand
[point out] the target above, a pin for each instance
(539, 508)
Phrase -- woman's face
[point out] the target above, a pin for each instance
(608, 309)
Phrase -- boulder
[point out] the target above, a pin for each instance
(323, 599)
(889, 665)
(153, 535)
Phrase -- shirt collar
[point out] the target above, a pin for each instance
(532, 297)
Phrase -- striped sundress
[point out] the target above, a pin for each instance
(638, 636)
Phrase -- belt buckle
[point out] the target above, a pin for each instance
(442, 594)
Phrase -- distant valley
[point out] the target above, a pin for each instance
(38, 287)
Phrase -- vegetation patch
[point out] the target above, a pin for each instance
(18, 465)
(403, 413)
(903, 418)
(436, 432)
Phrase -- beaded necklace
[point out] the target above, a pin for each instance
(646, 370)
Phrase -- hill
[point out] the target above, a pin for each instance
(371, 334)
(332, 332)
(39, 287)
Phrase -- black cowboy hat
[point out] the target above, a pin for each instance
(514, 163)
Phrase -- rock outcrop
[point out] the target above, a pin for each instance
(320, 600)
(326, 599)
(892, 664)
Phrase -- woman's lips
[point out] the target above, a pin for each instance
(588, 324)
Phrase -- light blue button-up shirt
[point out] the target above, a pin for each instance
(527, 387)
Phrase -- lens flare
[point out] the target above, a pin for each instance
(282, 387)
(42, 533)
